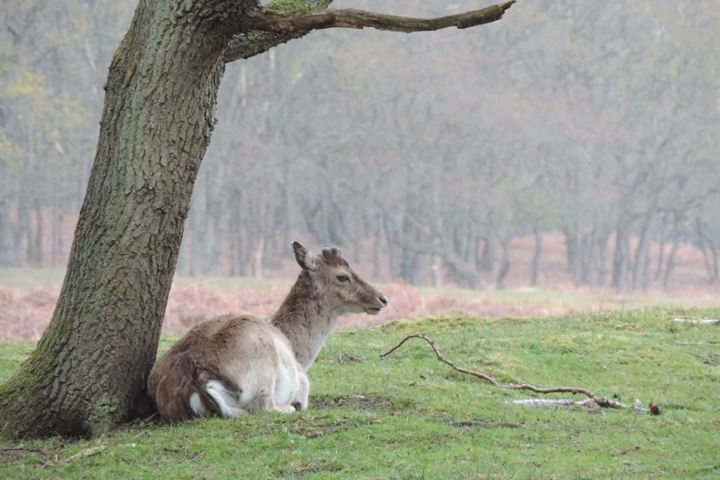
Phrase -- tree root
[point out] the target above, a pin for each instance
(591, 400)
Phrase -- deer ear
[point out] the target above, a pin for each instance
(305, 259)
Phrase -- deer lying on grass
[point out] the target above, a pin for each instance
(236, 364)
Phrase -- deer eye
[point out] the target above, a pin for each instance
(343, 279)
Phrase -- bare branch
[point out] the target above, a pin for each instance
(440, 357)
(268, 28)
(592, 399)
(303, 22)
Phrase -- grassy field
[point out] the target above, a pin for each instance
(409, 416)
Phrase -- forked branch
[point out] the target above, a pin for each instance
(600, 401)
(306, 21)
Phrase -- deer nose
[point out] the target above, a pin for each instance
(383, 300)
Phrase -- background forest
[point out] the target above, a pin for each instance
(597, 140)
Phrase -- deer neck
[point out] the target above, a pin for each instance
(306, 317)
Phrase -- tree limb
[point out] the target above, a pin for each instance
(269, 27)
(306, 21)
(600, 401)
(251, 43)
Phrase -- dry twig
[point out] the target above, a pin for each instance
(592, 398)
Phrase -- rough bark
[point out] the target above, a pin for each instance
(89, 370)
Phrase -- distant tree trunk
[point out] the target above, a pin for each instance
(9, 255)
(376, 255)
(37, 243)
(257, 257)
(504, 263)
(715, 264)
(641, 252)
(578, 257)
(661, 255)
(238, 253)
(487, 258)
(23, 233)
(537, 255)
(602, 258)
(466, 273)
(701, 244)
(57, 247)
(570, 249)
(670, 265)
(620, 258)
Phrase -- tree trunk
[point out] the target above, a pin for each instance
(602, 257)
(504, 263)
(487, 257)
(56, 249)
(641, 251)
(436, 270)
(9, 256)
(703, 246)
(88, 371)
(670, 265)
(570, 252)
(662, 242)
(537, 255)
(620, 257)
(37, 243)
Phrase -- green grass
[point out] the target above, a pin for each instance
(409, 416)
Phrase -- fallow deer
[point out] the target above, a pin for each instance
(237, 364)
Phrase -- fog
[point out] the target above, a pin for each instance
(572, 143)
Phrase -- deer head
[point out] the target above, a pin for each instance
(338, 283)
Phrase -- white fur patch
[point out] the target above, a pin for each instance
(197, 406)
(310, 261)
(286, 379)
(227, 401)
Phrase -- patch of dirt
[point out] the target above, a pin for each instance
(18, 454)
(709, 358)
(356, 402)
(313, 430)
(484, 423)
(298, 469)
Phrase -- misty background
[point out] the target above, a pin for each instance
(575, 142)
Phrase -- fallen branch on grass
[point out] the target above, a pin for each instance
(592, 399)
(698, 321)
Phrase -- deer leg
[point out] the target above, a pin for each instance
(227, 401)
(264, 401)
